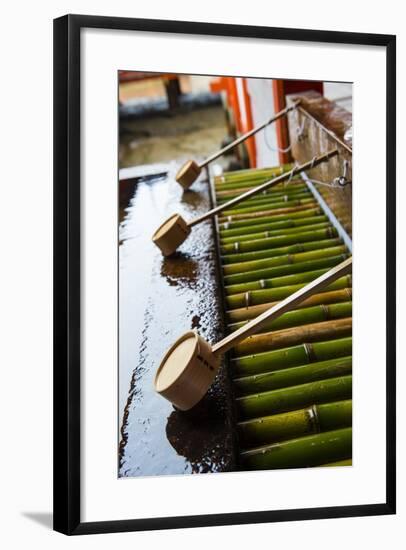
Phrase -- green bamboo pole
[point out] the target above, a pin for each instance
(288, 224)
(323, 224)
(269, 253)
(296, 181)
(284, 269)
(267, 212)
(293, 376)
(269, 205)
(249, 174)
(279, 427)
(274, 192)
(313, 332)
(308, 212)
(235, 316)
(239, 180)
(283, 280)
(276, 196)
(303, 316)
(255, 297)
(244, 172)
(236, 191)
(294, 397)
(269, 198)
(271, 219)
(292, 356)
(345, 462)
(311, 450)
(282, 240)
(240, 174)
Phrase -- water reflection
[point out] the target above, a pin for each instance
(198, 435)
(180, 268)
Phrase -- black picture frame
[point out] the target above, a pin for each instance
(67, 287)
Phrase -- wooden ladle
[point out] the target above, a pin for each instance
(175, 230)
(190, 171)
(190, 365)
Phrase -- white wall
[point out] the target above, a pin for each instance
(262, 103)
(26, 109)
(340, 92)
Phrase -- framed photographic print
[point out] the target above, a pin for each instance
(224, 268)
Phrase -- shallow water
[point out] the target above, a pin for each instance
(160, 299)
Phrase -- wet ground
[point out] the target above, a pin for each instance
(161, 298)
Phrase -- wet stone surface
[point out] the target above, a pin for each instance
(160, 299)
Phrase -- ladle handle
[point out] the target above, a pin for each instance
(287, 175)
(285, 305)
(242, 138)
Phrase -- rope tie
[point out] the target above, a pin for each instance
(274, 147)
(339, 182)
(292, 173)
(300, 135)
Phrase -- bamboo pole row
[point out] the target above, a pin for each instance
(283, 426)
(312, 450)
(292, 379)
(243, 268)
(300, 354)
(228, 234)
(271, 273)
(278, 251)
(240, 315)
(303, 395)
(255, 297)
(280, 192)
(270, 205)
(286, 209)
(303, 316)
(279, 241)
(317, 224)
(283, 280)
(312, 332)
(293, 376)
(248, 174)
(296, 192)
(274, 219)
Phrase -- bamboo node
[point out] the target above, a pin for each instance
(247, 298)
(237, 247)
(309, 352)
(313, 417)
(326, 311)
